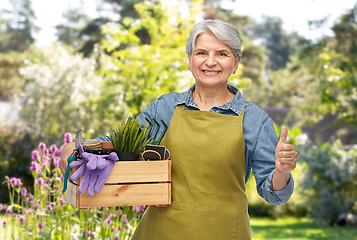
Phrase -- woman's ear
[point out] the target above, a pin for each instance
(236, 64)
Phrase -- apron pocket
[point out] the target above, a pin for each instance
(196, 222)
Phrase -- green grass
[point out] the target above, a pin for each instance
(287, 228)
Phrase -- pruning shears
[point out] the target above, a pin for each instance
(78, 141)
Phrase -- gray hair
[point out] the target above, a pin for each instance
(225, 32)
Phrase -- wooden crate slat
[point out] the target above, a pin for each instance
(121, 195)
(140, 171)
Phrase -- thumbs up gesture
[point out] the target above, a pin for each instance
(285, 154)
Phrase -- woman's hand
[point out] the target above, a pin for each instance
(66, 152)
(285, 161)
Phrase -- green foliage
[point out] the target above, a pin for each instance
(61, 93)
(129, 136)
(17, 29)
(330, 180)
(15, 148)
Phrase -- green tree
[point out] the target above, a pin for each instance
(138, 74)
(279, 45)
(69, 33)
(17, 30)
(61, 93)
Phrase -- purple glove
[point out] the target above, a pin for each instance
(96, 170)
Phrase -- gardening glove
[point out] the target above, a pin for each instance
(96, 179)
(95, 170)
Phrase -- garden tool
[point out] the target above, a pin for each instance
(78, 141)
(95, 170)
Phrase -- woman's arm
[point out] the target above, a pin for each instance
(285, 161)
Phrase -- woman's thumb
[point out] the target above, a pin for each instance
(283, 135)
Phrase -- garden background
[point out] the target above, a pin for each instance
(100, 70)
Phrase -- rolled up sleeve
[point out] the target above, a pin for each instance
(263, 165)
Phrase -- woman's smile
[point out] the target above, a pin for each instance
(212, 61)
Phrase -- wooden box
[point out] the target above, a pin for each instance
(130, 183)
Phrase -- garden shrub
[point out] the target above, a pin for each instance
(330, 181)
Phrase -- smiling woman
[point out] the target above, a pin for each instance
(211, 65)
(215, 138)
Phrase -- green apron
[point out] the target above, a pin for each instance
(208, 170)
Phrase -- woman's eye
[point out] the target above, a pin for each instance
(222, 54)
(200, 53)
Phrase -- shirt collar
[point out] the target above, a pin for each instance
(236, 104)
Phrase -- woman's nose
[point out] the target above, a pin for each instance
(211, 60)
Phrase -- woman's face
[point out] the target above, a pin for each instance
(212, 61)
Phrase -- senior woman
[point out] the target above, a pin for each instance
(215, 137)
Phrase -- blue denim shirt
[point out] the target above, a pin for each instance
(259, 134)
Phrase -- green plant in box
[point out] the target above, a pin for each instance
(130, 136)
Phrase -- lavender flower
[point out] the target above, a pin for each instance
(116, 238)
(39, 182)
(13, 181)
(49, 207)
(22, 219)
(34, 166)
(42, 146)
(18, 182)
(23, 191)
(40, 225)
(67, 137)
(57, 153)
(4, 223)
(8, 212)
(53, 148)
(113, 229)
(35, 155)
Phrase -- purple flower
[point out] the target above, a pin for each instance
(113, 229)
(57, 153)
(18, 182)
(8, 212)
(49, 207)
(34, 166)
(0, 206)
(40, 225)
(35, 155)
(116, 238)
(23, 191)
(42, 146)
(67, 137)
(46, 152)
(53, 148)
(39, 182)
(4, 223)
(13, 181)
(22, 219)
(15, 215)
